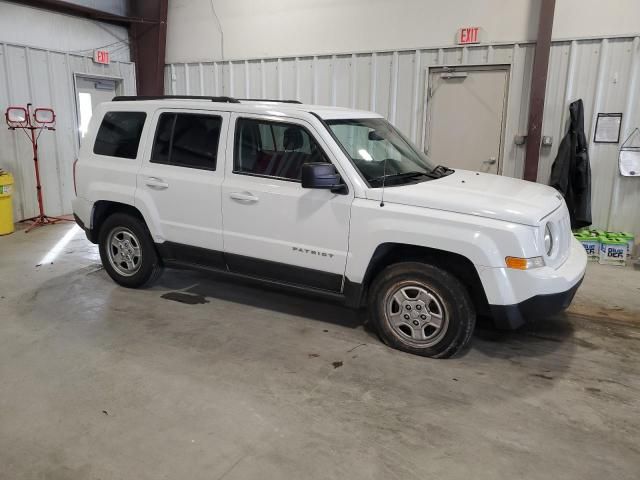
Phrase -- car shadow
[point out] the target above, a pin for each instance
(549, 339)
(541, 338)
(211, 285)
(541, 352)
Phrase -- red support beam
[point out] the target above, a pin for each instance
(148, 45)
(147, 23)
(538, 89)
(67, 8)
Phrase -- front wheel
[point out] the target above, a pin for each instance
(127, 251)
(422, 309)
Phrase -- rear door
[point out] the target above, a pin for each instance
(180, 180)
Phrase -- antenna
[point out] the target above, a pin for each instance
(384, 178)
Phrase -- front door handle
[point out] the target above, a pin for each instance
(244, 197)
(156, 183)
(491, 161)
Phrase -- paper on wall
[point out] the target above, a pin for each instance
(608, 128)
(629, 157)
(630, 163)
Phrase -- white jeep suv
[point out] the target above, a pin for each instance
(322, 200)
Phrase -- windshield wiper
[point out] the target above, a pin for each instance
(441, 171)
(397, 176)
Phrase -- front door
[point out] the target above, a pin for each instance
(466, 116)
(274, 228)
(179, 183)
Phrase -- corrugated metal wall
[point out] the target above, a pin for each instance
(46, 78)
(603, 72)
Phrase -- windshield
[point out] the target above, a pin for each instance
(381, 153)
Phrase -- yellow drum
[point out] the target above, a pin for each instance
(6, 207)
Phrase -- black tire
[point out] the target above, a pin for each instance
(149, 267)
(449, 304)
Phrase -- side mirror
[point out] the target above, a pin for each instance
(322, 175)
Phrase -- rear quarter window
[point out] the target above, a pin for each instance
(119, 134)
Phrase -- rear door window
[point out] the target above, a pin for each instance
(119, 134)
(187, 140)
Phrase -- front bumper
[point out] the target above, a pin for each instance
(511, 317)
(516, 297)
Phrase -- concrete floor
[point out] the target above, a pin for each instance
(100, 382)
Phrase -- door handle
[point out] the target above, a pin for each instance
(491, 161)
(244, 197)
(156, 183)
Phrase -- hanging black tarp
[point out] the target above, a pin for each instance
(571, 171)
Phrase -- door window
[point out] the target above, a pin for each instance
(274, 149)
(92, 92)
(119, 134)
(187, 140)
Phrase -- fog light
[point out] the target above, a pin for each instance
(518, 263)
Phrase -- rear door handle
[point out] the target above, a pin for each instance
(156, 183)
(244, 197)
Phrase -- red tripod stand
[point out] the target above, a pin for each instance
(43, 119)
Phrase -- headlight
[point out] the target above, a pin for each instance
(548, 239)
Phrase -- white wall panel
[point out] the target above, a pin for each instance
(45, 78)
(197, 29)
(305, 79)
(626, 192)
(38, 28)
(605, 73)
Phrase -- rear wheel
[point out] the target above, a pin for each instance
(127, 251)
(422, 309)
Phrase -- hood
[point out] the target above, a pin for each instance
(479, 194)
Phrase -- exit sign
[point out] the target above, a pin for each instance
(101, 56)
(468, 35)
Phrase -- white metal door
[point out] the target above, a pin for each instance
(274, 228)
(90, 92)
(466, 114)
(184, 202)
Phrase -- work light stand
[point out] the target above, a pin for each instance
(35, 129)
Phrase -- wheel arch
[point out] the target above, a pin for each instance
(102, 209)
(458, 265)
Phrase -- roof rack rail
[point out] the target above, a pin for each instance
(128, 98)
(269, 100)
